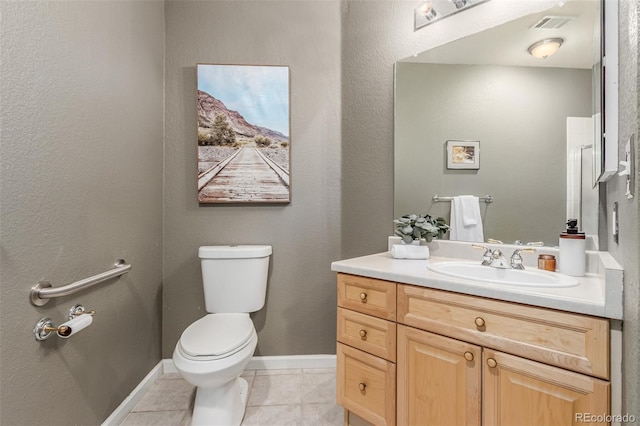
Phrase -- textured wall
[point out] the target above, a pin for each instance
(81, 167)
(519, 116)
(299, 316)
(627, 251)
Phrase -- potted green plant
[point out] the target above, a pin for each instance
(413, 227)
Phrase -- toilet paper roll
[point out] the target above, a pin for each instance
(71, 327)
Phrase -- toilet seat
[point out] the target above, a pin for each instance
(216, 336)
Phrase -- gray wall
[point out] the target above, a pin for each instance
(519, 115)
(299, 316)
(375, 35)
(81, 167)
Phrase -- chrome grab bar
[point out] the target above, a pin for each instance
(44, 290)
(437, 199)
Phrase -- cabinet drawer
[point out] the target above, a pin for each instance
(366, 385)
(367, 295)
(572, 341)
(370, 334)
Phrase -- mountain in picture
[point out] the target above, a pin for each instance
(209, 108)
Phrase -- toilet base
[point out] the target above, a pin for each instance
(221, 406)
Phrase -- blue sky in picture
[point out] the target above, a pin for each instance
(259, 93)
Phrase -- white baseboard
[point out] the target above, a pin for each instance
(276, 362)
(256, 363)
(134, 397)
(291, 361)
(168, 366)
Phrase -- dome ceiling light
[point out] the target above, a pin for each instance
(544, 48)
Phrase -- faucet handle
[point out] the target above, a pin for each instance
(536, 244)
(525, 249)
(486, 257)
(516, 259)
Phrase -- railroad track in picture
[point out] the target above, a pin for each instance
(245, 176)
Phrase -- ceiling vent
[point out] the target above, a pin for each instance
(553, 22)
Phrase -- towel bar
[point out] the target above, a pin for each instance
(437, 199)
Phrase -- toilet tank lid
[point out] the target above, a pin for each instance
(234, 252)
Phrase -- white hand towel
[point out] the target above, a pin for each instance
(408, 251)
(470, 208)
(466, 222)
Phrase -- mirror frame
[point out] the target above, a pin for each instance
(607, 167)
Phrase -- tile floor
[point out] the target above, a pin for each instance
(301, 397)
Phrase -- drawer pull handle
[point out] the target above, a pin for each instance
(492, 363)
(363, 297)
(362, 386)
(468, 356)
(363, 334)
(479, 322)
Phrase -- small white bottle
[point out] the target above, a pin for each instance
(572, 250)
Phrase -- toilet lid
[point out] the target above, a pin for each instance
(216, 334)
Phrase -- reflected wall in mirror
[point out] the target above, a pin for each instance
(535, 120)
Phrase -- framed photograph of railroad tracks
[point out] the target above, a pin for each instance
(243, 133)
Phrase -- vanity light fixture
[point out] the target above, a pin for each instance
(431, 11)
(544, 48)
(460, 3)
(426, 9)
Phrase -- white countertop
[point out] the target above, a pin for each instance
(599, 292)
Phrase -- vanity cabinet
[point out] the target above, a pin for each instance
(457, 359)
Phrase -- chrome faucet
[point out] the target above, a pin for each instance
(498, 260)
(495, 258)
(516, 259)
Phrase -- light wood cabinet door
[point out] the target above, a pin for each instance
(527, 393)
(439, 380)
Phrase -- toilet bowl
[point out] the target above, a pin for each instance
(213, 352)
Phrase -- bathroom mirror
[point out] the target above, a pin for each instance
(534, 121)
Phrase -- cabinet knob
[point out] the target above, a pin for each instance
(362, 386)
(468, 356)
(492, 363)
(479, 322)
(363, 334)
(363, 297)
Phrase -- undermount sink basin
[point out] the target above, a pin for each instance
(526, 278)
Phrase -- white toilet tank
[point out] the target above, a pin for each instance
(234, 277)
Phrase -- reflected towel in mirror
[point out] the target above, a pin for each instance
(466, 222)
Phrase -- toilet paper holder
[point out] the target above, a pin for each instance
(45, 328)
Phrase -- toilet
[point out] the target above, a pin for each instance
(213, 351)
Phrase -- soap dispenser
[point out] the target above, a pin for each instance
(572, 250)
